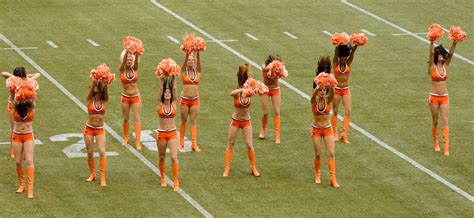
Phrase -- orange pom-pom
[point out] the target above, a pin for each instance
(25, 92)
(199, 44)
(325, 80)
(102, 74)
(276, 69)
(358, 39)
(457, 34)
(133, 45)
(188, 44)
(167, 68)
(435, 32)
(252, 86)
(340, 38)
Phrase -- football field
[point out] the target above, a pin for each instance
(388, 169)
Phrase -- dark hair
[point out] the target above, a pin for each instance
(101, 88)
(440, 50)
(20, 72)
(271, 58)
(243, 74)
(324, 65)
(23, 108)
(167, 84)
(343, 51)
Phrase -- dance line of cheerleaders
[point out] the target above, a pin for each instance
(328, 89)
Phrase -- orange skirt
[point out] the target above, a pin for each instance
(240, 123)
(164, 136)
(23, 137)
(93, 131)
(273, 91)
(125, 99)
(343, 91)
(189, 102)
(321, 132)
(438, 100)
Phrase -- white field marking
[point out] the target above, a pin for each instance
(251, 36)
(37, 142)
(112, 132)
(304, 95)
(399, 28)
(406, 34)
(224, 40)
(367, 32)
(75, 150)
(22, 48)
(327, 33)
(173, 39)
(471, 121)
(92, 42)
(290, 35)
(52, 44)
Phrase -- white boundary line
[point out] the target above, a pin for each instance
(22, 48)
(290, 35)
(173, 39)
(92, 42)
(368, 32)
(327, 33)
(400, 28)
(52, 44)
(406, 34)
(251, 36)
(304, 95)
(107, 127)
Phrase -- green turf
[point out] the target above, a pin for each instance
(389, 86)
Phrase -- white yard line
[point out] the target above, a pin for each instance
(251, 36)
(290, 35)
(367, 32)
(92, 42)
(22, 48)
(52, 44)
(399, 28)
(112, 132)
(306, 96)
(327, 33)
(173, 39)
(406, 34)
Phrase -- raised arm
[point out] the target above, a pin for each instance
(6, 75)
(159, 92)
(351, 57)
(124, 60)
(106, 93)
(236, 92)
(91, 91)
(313, 96)
(183, 66)
(336, 54)
(33, 76)
(431, 57)
(451, 53)
(174, 92)
(135, 64)
(198, 58)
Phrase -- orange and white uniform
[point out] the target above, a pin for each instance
(92, 108)
(341, 91)
(434, 98)
(190, 79)
(318, 111)
(166, 135)
(240, 102)
(272, 91)
(126, 99)
(23, 137)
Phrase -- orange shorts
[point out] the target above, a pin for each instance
(438, 100)
(241, 123)
(273, 91)
(189, 102)
(93, 131)
(164, 136)
(22, 137)
(130, 99)
(321, 132)
(10, 107)
(343, 91)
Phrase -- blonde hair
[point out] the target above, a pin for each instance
(122, 55)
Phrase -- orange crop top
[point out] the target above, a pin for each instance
(127, 80)
(324, 111)
(93, 109)
(29, 117)
(436, 76)
(187, 80)
(240, 102)
(164, 114)
(346, 72)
